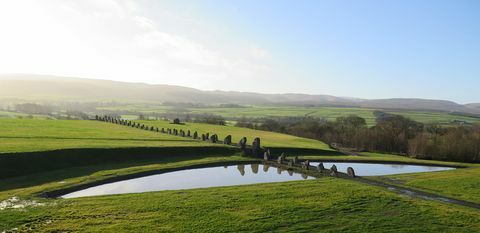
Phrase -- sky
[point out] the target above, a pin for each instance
(364, 49)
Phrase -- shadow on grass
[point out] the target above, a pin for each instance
(21, 164)
(276, 151)
(43, 177)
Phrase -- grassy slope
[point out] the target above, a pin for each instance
(24, 135)
(268, 139)
(325, 204)
(462, 183)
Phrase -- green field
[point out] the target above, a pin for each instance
(268, 139)
(325, 204)
(329, 113)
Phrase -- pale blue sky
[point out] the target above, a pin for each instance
(365, 49)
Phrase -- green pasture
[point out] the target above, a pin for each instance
(268, 139)
(39, 156)
(329, 113)
(325, 204)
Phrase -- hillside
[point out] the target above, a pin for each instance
(50, 88)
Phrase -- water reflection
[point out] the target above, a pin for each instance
(255, 168)
(194, 178)
(372, 169)
(265, 167)
(241, 169)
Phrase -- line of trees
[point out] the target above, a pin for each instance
(391, 134)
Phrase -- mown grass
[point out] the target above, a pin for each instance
(463, 184)
(27, 135)
(327, 204)
(323, 205)
(268, 139)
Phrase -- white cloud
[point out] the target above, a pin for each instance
(257, 52)
(120, 40)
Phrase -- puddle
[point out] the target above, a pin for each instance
(17, 203)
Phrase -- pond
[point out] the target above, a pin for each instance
(375, 169)
(236, 175)
(195, 178)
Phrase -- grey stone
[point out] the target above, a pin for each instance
(333, 170)
(242, 143)
(320, 167)
(351, 172)
(256, 147)
(227, 140)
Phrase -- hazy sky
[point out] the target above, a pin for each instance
(367, 49)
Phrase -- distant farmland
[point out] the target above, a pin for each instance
(329, 113)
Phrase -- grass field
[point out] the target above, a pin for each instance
(40, 135)
(325, 204)
(268, 139)
(329, 113)
(102, 151)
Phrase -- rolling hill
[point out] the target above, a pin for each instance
(40, 88)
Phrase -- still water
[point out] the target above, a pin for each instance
(236, 175)
(373, 169)
(195, 178)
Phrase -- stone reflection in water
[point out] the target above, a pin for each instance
(265, 167)
(241, 169)
(195, 178)
(254, 168)
(290, 172)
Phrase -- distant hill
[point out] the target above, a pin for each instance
(51, 88)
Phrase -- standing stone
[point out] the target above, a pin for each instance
(195, 135)
(157, 129)
(227, 140)
(281, 158)
(306, 165)
(188, 133)
(207, 136)
(243, 143)
(182, 133)
(203, 137)
(169, 131)
(320, 167)
(266, 155)
(333, 170)
(152, 128)
(351, 172)
(256, 147)
(213, 138)
(295, 160)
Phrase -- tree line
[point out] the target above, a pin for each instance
(392, 134)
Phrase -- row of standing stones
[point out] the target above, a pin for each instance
(255, 150)
(305, 165)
